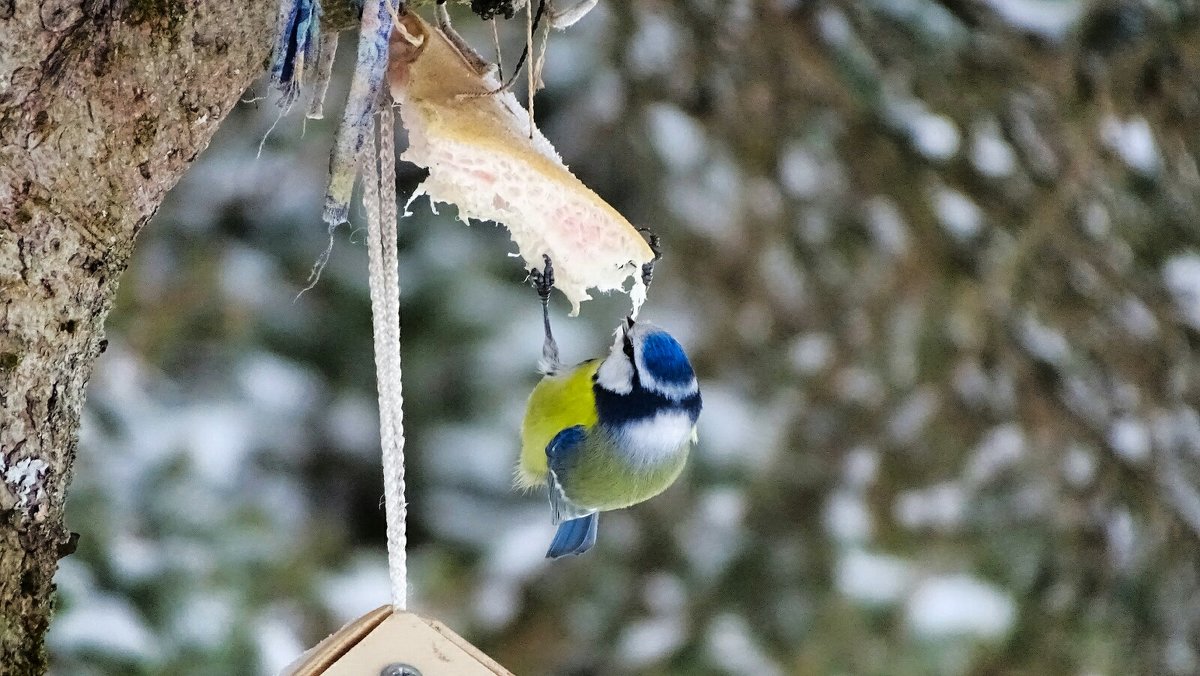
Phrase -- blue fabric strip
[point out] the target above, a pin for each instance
(296, 42)
(361, 104)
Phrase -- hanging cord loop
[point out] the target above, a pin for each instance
(379, 200)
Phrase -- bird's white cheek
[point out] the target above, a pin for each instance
(655, 439)
(616, 375)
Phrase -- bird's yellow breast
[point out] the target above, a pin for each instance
(558, 402)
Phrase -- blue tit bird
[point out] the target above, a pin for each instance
(608, 433)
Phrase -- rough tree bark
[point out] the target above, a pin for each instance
(103, 105)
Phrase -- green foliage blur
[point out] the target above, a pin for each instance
(936, 263)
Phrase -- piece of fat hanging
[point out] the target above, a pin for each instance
(483, 159)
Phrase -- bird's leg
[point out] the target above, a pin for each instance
(543, 282)
(656, 248)
(507, 84)
(477, 62)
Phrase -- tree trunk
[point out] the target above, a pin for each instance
(103, 105)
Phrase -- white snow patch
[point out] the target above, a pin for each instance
(1133, 142)
(664, 593)
(856, 384)
(908, 419)
(134, 558)
(784, 277)
(731, 645)
(218, 438)
(1050, 19)
(713, 535)
(971, 383)
(934, 23)
(861, 467)
(278, 641)
(24, 479)
(847, 518)
(1137, 319)
(1181, 274)
(1079, 466)
(496, 602)
(1178, 430)
(605, 97)
(514, 555)
(247, 276)
(654, 46)
(1130, 440)
(1087, 398)
(960, 605)
(677, 137)
(352, 423)
(1043, 341)
(886, 224)
(490, 452)
(1084, 278)
(958, 214)
(1180, 657)
(574, 50)
(1122, 539)
(800, 172)
(835, 27)
(991, 155)
(277, 385)
(708, 202)
(940, 507)
(1096, 221)
(189, 556)
(647, 641)
(999, 450)
(934, 136)
(105, 624)
(362, 586)
(811, 353)
(204, 619)
(74, 579)
(873, 579)
(732, 430)
(467, 517)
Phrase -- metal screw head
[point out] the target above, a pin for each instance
(398, 669)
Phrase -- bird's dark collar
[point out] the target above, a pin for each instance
(640, 403)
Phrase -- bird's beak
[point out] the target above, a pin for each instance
(628, 322)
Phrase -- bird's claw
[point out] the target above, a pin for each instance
(656, 248)
(543, 280)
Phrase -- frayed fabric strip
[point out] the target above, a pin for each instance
(321, 76)
(361, 104)
(296, 43)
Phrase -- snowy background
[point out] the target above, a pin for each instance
(938, 267)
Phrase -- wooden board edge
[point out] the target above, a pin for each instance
(314, 661)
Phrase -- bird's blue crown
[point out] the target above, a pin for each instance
(665, 360)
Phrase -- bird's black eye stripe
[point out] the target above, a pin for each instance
(628, 347)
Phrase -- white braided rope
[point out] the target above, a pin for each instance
(379, 200)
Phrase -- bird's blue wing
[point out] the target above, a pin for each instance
(559, 453)
(563, 447)
(574, 537)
